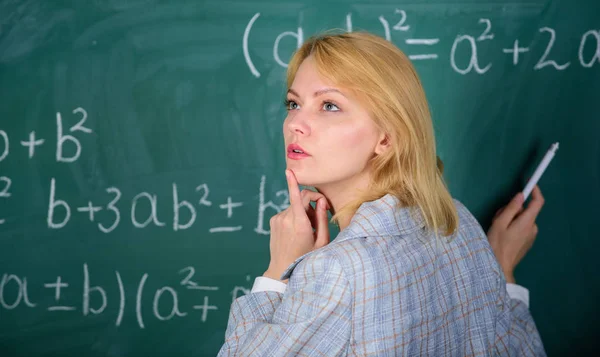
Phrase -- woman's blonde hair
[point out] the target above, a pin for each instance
(388, 85)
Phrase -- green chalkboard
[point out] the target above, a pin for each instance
(141, 155)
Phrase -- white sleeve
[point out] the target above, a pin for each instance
(518, 292)
(263, 283)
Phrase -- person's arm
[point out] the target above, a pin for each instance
(313, 317)
(511, 235)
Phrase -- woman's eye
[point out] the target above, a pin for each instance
(330, 107)
(291, 105)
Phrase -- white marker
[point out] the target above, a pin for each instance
(539, 170)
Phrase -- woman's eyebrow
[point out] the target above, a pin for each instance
(327, 90)
(319, 92)
(291, 91)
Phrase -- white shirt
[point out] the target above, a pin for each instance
(262, 283)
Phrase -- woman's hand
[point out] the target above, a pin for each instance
(513, 231)
(292, 233)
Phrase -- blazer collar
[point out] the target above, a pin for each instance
(382, 217)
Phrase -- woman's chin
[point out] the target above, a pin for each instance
(301, 177)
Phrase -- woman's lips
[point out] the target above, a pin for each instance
(296, 152)
(296, 155)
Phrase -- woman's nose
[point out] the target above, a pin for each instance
(297, 124)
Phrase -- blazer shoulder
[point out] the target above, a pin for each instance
(466, 220)
(317, 263)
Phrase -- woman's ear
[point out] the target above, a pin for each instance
(383, 144)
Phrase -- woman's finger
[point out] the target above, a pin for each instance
(322, 226)
(312, 216)
(294, 193)
(534, 231)
(309, 196)
(498, 212)
(510, 211)
(534, 207)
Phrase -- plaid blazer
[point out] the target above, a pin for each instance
(386, 286)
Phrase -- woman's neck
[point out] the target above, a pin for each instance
(339, 194)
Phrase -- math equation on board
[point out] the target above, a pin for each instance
(166, 303)
(70, 132)
(469, 44)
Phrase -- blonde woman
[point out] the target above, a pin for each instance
(411, 272)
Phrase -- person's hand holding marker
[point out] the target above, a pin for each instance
(514, 230)
(297, 230)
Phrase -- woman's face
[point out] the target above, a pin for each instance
(334, 131)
